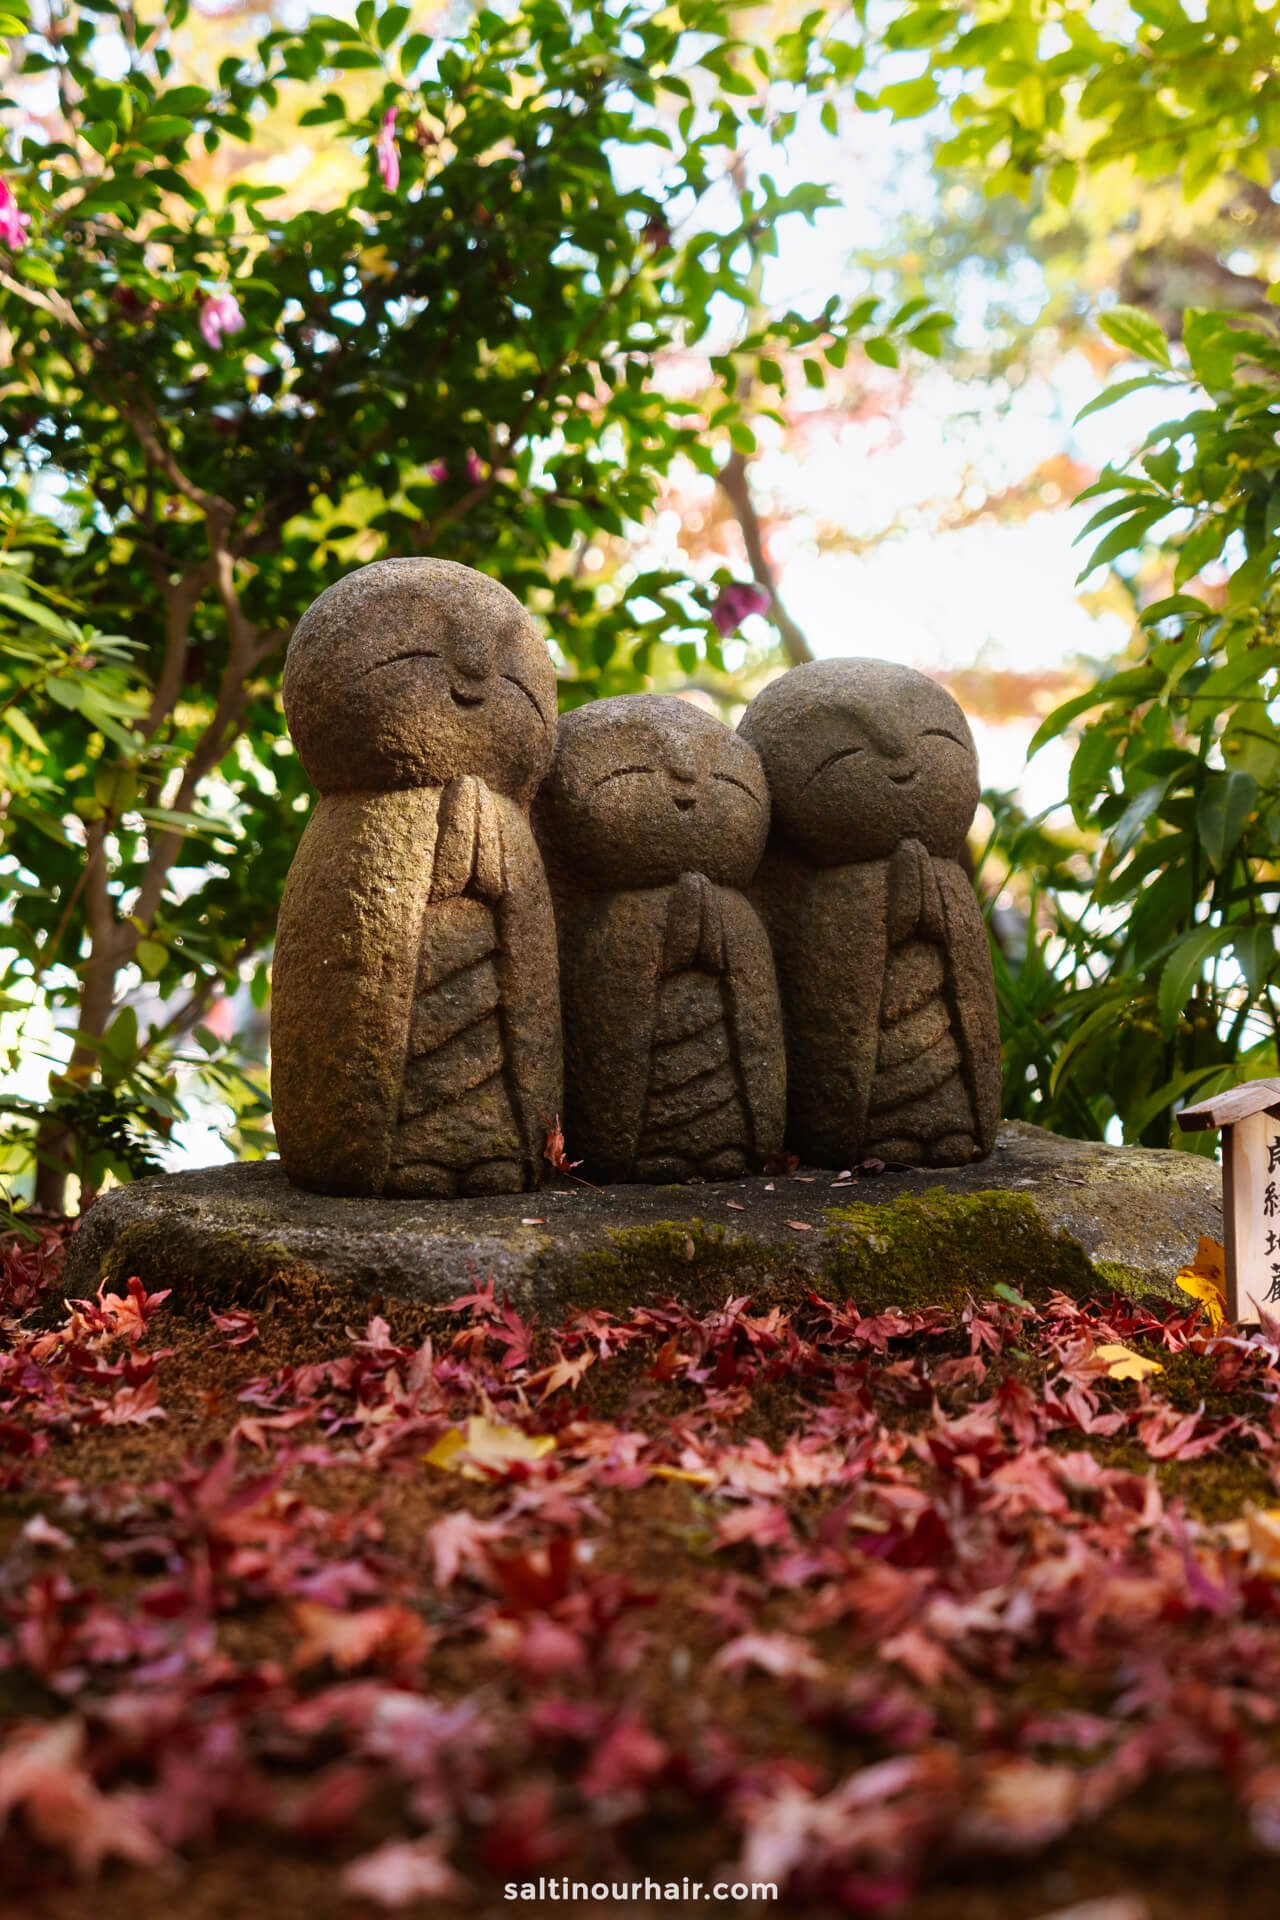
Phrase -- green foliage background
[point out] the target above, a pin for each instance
(1154, 980)
(470, 366)
(462, 366)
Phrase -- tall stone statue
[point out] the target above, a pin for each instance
(415, 1026)
(652, 823)
(893, 1045)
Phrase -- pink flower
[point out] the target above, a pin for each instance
(220, 315)
(13, 220)
(387, 151)
(472, 470)
(735, 603)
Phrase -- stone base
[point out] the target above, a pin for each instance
(1042, 1212)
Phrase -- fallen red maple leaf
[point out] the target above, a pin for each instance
(782, 1163)
(554, 1151)
(42, 1771)
(628, 1756)
(401, 1871)
(392, 1635)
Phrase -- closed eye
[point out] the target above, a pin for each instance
(394, 659)
(620, 773)
(841, 753)
(511, 678)
(941, 733)
(732, 781)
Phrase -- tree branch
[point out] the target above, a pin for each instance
(150, 438)
(52, 303)
(735, 483)
(214, 741)
(181, 598)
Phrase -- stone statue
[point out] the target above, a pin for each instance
(893, 1045)
(652, 823)
(415, 1023)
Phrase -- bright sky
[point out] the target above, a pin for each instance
(991, 593)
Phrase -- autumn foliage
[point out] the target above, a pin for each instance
(867, 1605)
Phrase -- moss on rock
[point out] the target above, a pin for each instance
(224, 1268)
(940, 1248)
(696, 1259)
(1033, 1216)
(935, 1250)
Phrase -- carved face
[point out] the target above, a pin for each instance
(861, 755)
(647, 787)
(409, 673)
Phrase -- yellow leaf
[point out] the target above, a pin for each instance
(1262, 1536)
(376, 263)
(1124, 1364)
(1206, 1279)
(1211, 1261)
(486, 1449)
(683, 1473)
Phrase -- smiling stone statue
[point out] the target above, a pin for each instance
(652, 823)
(415, 1025)
(893, 1043)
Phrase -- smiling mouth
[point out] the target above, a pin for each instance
(683, 802)
(904, 779)
(466, 699)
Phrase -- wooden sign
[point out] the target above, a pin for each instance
(1249, 1119)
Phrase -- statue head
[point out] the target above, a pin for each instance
(410, 673)
(646, 787)
(861, 755)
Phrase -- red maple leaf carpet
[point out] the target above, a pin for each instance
(934, 1613)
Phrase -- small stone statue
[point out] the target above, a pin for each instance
(416, 1023)
(653, 820)
(893, 1046)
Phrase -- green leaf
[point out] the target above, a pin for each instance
(1091, 770)
(19, 724)
(151, 957)
(1128, 535)
(1255, 950)
(1206, 335)
(1062, 182)
(882, 351)
(37, 615)
(120, 1040)
(1183, 969)
(162, 130)
(1222, 812)
(392, 24)
(1138, 810)
(1120, 391)
(908, 99)
(353, 59)
(1136, 332)
(1139, 683)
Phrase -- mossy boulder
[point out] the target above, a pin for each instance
(1041, 1213)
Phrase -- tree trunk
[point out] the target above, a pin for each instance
(55, 1141)
(54, 1147)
